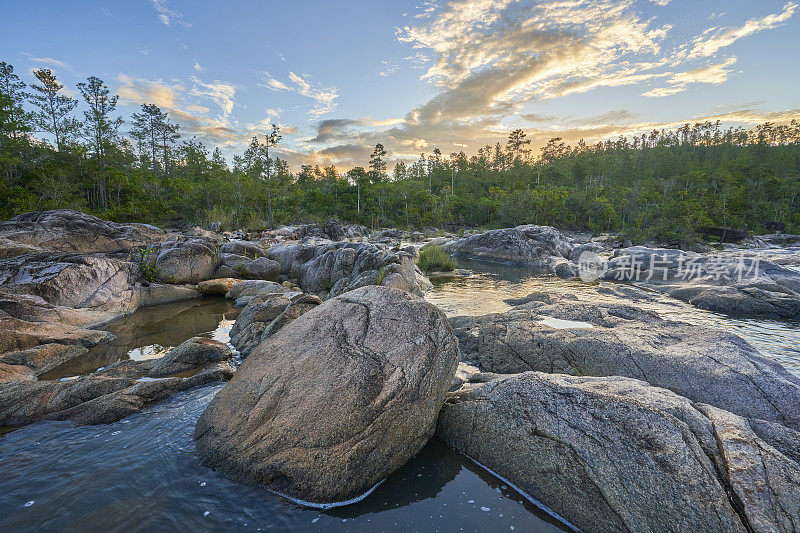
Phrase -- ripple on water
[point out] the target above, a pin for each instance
(141, 473)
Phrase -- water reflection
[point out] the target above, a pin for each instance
(152, 332)
(491, 283)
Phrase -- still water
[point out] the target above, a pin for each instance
(489, 284)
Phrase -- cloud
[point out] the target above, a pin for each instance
(325, 97)
(167, 16)
(142, 91)
(714, 39)
(198, 67)
(712, 74)
(220, 92)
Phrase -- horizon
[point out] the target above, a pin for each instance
(417, 76)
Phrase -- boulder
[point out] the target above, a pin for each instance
(530, 245)
(217, 287)
(335, 268)
(102, 284)
(616, 454)
(160, 294)
(70, 231)
(243, 292)
(731, 283)
(187, 261)
(336, 400)
(263, 268)
(44, 357)
(265, 315)
(703, 364)
(249, 249)
(191, 354)
(18, 335)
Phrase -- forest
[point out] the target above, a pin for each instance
(57, 151)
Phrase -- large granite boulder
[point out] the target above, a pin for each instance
(730, 282)
(187, 261)
(616, 454)
(71, 232)
(336, 400)
(703, 364)
(536, 246)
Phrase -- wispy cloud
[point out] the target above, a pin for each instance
(325, 97)
(220, 92)
(715, 39)
(167, 16)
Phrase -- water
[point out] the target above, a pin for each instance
(141, 472)
(152, 332)
(490, 283)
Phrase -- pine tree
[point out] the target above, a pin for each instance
(99, 127)
(376, 164)
(14, 120)
(54, 108)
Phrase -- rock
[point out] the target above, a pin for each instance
(336, 400)
(265, 315)
(96, 399)
(15, 373)
(530, 245)
(723, 234)
(160, 294)
(765, 483)
(101, 284)
(243, 292)
(72, 232)
(188, 261)
(263, 268)
(245, 248)
(730, 283)
(17, 335)
(616, 454)
(705, 365)
(189, 355)
(23, 403)
(336, 268)
(217, 286)
(44, 357)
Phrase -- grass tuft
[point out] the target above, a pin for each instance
(433, 258)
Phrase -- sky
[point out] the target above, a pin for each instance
(339, 77)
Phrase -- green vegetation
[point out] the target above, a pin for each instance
(664, 185)
(433, 258)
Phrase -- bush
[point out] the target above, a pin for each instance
(434, 258)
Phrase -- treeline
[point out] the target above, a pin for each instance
(664, 185)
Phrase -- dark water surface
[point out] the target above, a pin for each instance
(141, 472)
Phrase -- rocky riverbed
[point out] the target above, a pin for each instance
(617, 387)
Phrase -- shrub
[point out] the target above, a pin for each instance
(434, 258)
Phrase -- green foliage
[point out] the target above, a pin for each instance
(147, 264)
(433, 258)
(664, 185)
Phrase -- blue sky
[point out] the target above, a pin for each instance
(342, 76)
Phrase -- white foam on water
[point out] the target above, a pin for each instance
(560, 323)
(330, 505)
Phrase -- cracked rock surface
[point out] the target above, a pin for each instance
(335, 400)
(618, 454)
